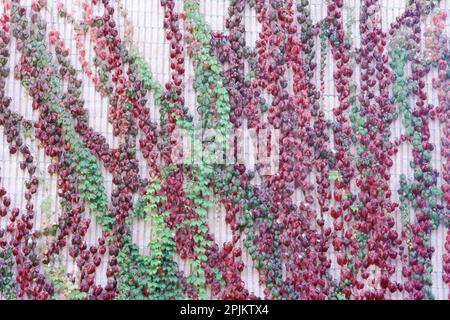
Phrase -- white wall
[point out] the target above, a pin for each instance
(147, 17)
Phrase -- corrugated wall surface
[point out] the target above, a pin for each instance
(147, 18)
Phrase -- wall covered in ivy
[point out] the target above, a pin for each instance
(93, 204)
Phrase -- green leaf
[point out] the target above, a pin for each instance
(334, 175)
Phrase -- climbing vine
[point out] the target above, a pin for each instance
(330, 200)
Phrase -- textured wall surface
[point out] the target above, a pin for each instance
(147, 18)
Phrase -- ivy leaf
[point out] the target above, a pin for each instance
(334, 175)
